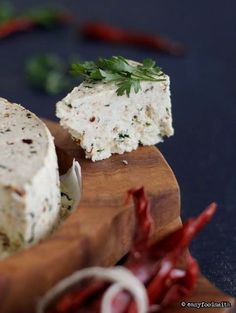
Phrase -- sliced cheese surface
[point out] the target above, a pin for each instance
(104, 123)
(29, 179)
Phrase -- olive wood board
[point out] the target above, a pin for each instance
(100, 231)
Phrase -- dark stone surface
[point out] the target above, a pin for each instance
(202, 152)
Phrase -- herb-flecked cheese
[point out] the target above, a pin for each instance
(104, 123)
(29, 179)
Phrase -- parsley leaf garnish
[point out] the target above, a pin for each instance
(126, 75)
(50, 74)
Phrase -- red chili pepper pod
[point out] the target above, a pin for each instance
(107, 33)
(156, 266)
(21, 24)
(14, 26)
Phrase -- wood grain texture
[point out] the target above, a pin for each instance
(100, 231)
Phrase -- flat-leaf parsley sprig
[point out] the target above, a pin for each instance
(126, 75)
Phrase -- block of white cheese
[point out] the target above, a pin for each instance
(29, 179)
(104, 123)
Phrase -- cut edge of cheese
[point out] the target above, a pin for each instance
(29, 179)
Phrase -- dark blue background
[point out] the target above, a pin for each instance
(202, 152)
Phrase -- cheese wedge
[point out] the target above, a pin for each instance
(29, 179)
(104, 123)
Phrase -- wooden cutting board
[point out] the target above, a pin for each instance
(100, 231)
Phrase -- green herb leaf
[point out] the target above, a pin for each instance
(126, 75)
(50, 74)
(124, 87)
(96, 74)
(137, 86)
(149, 63)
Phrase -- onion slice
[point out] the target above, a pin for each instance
(122, 277)
(72, 182)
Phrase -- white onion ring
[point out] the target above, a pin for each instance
(122, 277)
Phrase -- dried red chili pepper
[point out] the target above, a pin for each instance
(162, 258)
(144, 222)
(19, 24)
(15, 25)
(155, 266)
(182, 286)
(182, 237)
(107, 33)
(71, 301)
(169, 250)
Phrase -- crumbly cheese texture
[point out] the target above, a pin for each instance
(29, 179)
(104, 123)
